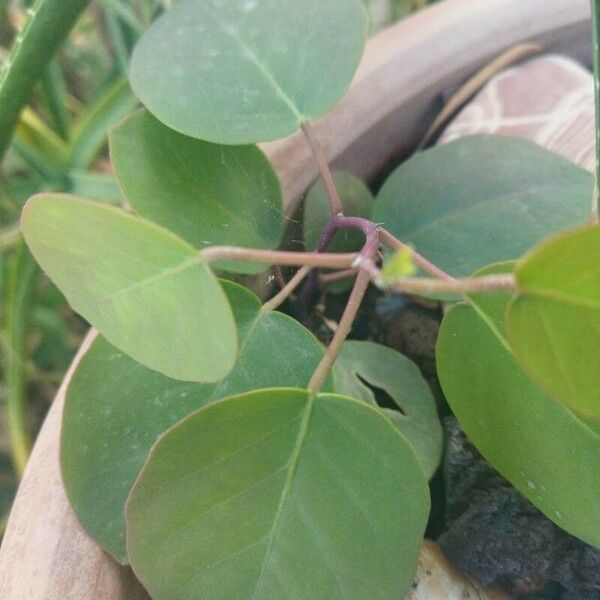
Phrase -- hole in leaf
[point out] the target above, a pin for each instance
(383, 399)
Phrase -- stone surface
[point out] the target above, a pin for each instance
(499, 537)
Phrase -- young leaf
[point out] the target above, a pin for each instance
(481, 199)
(146, 290)
(245, 71)
(206, 193)
(116, 409)
(553, 325)
(364, 370)
(400, 264)
(277, 494)
(549, 454)
(357, 201)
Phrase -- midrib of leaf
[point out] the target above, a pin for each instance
(287, 486)
(568, 413)
(168, 272)
(489, 322)
(268, 76)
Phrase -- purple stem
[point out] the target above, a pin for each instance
(368, 253)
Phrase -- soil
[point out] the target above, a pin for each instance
(484, 525)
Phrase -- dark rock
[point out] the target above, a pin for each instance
(413, 331)
(499, 537)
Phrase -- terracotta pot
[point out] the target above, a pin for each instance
(406, 72)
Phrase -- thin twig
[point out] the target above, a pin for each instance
(337, 275)
(335, 202)
(276, 301)
(343, 329)
(279, 257)
(420, 286)
(279, 278)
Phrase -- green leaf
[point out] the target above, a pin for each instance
(481, 199)
(116, 409)
(553, 324)
(357, 201)
(244, 71)
(206, 193)
(146, 290)
(399, 265)
(367, 371)
(547, 452)
(277, 494)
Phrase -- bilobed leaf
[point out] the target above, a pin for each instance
(357, 201)
(116, 409)
(364, 368)
(244, 71)
(207, 193)
(145, 289)
(548, 453)
(279, 494)
(480, 200)
(553, 324)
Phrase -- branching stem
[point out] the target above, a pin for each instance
(365, 262)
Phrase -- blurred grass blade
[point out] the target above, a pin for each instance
(37, 162)
(89, 138)
(48, 25)
(33, 132)
(22, 272)
(124, 12)
(55, 96)
(117, 40)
